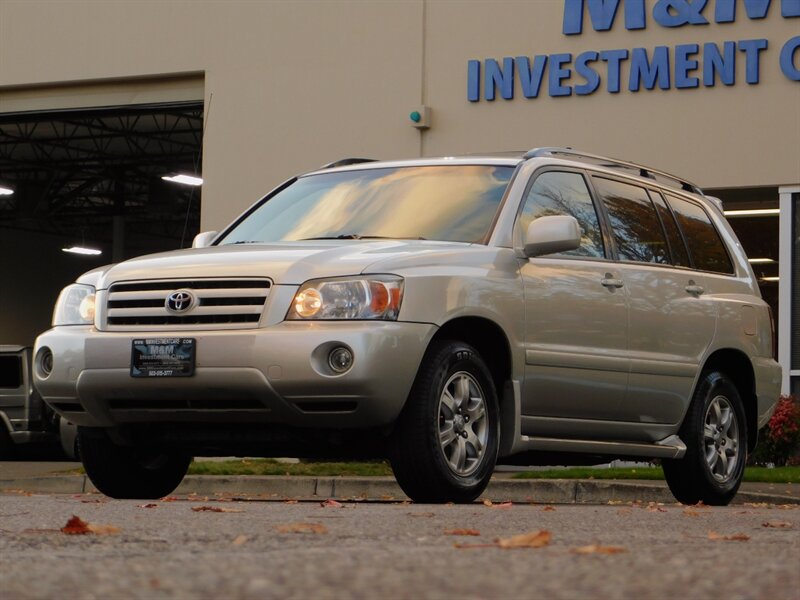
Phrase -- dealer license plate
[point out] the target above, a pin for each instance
(162, 357)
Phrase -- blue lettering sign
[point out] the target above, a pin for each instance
(684, 64)
(788, 54)
(558, 73)
(602, 14)
(752, 51)
(614, 59)
(716, 63)
(676, 13)
(496, 77)
(473, 80)
(531, 78)
(583, 69)
(649, 71)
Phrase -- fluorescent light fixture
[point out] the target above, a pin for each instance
(5, 191)
(184, 179)
(754, 212)
(82, 250)
(760, 261)
(776, 278)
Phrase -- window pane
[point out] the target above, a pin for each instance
(450, 203)
(680, 255)
(707, 249)
(637, 230)
(556, 193)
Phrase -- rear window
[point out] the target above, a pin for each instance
(705, 245)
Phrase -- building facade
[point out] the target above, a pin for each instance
(707, 89)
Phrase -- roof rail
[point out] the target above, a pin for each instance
(343, 162)
(644, 171)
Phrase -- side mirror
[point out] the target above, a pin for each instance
(203, 240)
(548, 235)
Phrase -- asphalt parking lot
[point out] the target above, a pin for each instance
(217, 547)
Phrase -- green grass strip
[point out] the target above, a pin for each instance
(757, 474)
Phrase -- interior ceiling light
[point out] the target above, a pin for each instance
(82, 250)
(760, 261)
(184, 179)
(5, 191)
(754, 212)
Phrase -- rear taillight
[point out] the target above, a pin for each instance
(773, 333)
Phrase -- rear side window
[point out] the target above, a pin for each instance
(680, 255)
(634, 223)
(705, 245)
(562, 193)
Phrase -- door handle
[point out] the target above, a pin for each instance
(610, 282)
(694, 289)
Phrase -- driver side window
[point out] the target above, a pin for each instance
(564, 193)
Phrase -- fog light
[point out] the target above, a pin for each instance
(340, 359)
(45, 362)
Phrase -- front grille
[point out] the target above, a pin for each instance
(217, 303)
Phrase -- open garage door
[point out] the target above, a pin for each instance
(89, 178)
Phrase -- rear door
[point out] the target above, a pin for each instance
(670, 321)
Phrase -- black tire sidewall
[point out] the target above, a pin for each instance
(453, 358)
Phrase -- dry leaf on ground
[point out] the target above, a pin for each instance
(688, 512)
(491, 504)
(330, 503)
(597, 549)
(461, 532)
(756, 504)
(534, 539)
(216, 509)
(777, 524)
(548, 508)
(77, 526)
(239, 540)
(169, 499)
(148, 505)
(292, 501)
(734, 537)
(303, 528)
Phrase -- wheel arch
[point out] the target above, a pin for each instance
(737, 366)
(491, 342)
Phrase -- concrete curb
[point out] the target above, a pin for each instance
(540, 491)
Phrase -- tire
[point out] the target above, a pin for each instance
(715, 434)
(444, 444)
(128, 472)
(6, 444)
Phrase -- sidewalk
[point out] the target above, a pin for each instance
(50, 478)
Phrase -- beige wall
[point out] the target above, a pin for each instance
(291, 85)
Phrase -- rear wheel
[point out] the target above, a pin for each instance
(715, 433)
(129, 472)
(444, 446)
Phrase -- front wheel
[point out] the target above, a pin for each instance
(128, 472)
(444, 445)
(715, 433)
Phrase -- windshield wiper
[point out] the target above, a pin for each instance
(355, 236)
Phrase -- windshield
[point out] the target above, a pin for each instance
(449, 203)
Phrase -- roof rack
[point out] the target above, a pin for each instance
(343, 162)
(647, 172)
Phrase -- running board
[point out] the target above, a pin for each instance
(671, 447)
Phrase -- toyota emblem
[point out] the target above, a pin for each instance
(180, 301)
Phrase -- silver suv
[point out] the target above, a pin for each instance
(553, 307)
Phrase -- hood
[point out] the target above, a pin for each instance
(286, 263)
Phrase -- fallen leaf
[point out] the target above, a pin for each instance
(148, 505)
(169, 499)
(757, 504)
(655, 507)
(596, 549)
(534, 539)
(548, 508)
(303, 528)
(330, 503)
(777, 524)
(239, 540)
(491, 504)
(77, 526)
(788, 506)
(94, 501)
(387, 497)
(615, 502)
(291, 501)
(690, 513)
(461, 532)
(216, 509)
(735, 537)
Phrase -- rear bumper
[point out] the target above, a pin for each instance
(271, 375)
(768, 387)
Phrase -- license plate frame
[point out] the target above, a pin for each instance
(163, 357)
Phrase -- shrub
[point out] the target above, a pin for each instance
(779, 440)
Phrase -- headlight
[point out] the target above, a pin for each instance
(375, 297)
(75, 305)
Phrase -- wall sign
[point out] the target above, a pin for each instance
(683, 66)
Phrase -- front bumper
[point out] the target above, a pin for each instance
(270, 375)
